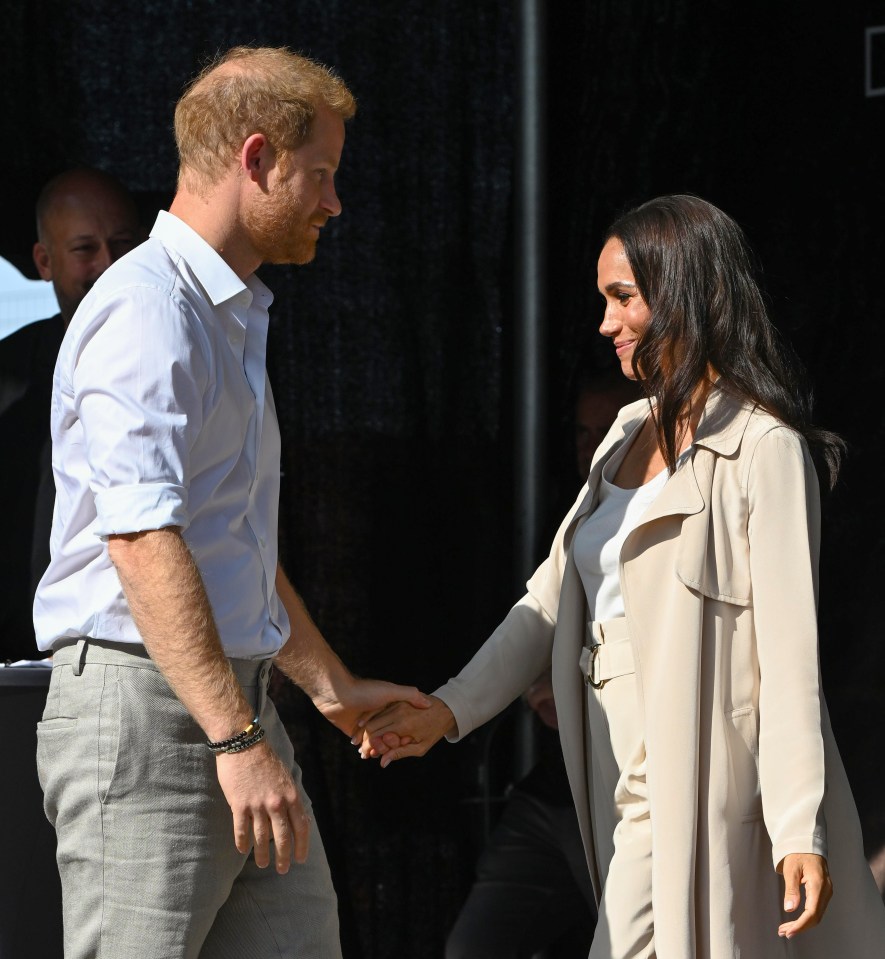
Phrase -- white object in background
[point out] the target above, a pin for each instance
(23, 301)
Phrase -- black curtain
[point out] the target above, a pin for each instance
(390, 354)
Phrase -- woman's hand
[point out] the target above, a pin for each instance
(401, 730)
(352, 699)
(810, 871)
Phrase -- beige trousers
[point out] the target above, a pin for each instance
(619, 796)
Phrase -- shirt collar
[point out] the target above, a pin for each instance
(216, 277)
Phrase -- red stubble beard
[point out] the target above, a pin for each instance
(280, 229)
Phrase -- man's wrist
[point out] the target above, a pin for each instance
(250, 736)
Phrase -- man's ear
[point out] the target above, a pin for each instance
(256, 157)
(42, 261)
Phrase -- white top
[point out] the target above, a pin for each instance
(598, 541)
(162, 416)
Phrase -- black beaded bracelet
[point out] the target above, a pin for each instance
(256, 737)
(224, 745)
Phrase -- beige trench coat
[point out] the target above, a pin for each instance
(720, 589)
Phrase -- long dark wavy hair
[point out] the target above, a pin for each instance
(694, 270)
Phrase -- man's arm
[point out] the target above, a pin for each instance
(171, 610)
(309, 661)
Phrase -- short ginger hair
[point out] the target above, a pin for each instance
(247, 90)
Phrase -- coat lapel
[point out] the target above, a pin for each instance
(719, 431)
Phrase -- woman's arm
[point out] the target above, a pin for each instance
(784, 536)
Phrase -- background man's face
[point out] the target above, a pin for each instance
(86, 229)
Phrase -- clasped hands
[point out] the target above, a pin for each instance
(402, 729)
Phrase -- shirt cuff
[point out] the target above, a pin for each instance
(133, 509)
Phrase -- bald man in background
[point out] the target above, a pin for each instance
(85, 221)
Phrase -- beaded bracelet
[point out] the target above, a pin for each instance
(256, 737)
(254, 729)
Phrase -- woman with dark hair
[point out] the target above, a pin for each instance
(679, 607)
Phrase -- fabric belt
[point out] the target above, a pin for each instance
(608, 653)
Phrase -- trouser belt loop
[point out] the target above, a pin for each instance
(263, 679)
(80, 655)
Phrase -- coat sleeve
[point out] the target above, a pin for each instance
(784, 537)
(517, 652)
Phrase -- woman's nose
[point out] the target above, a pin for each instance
(609, 326)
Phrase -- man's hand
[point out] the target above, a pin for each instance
(810, 871)
(265, 805)
(401, 730)
(361, 698)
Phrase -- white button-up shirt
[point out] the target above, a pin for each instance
(162, 416)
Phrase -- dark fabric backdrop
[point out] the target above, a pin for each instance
(390, 355)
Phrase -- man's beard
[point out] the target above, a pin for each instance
(279, 229)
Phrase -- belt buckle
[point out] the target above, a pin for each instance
(594, 652)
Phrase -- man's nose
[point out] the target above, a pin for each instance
(103, 258)
(329, 200)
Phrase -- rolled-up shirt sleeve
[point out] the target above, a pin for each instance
(138, 382)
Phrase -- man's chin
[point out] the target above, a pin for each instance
(297, 257)
(304, 257)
